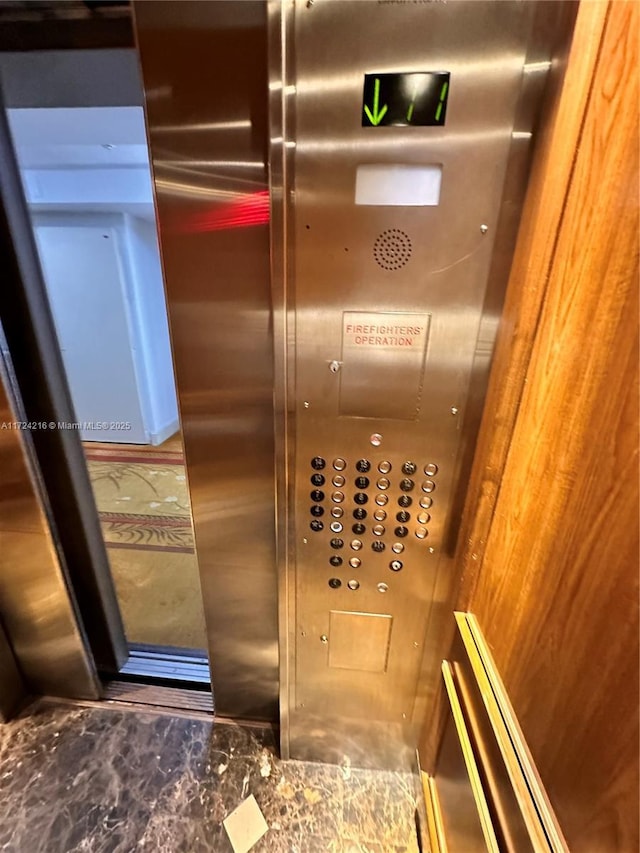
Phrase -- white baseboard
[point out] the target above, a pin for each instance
(164, 433)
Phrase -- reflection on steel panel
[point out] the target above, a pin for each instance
(36, 610)
(374, 427)
(204, 74)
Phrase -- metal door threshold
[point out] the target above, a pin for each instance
(157, 696)
(188, 666)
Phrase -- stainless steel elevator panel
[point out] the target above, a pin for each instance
(204, 67)
(380, 314)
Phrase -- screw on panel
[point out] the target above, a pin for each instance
(324, 638)
(306, 404)
(334, 366)
(305, 541)
(432, 550)
(454, 410)
(484, 229)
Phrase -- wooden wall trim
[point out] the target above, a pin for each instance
(552, 167)
(551, 174)
(557, 591)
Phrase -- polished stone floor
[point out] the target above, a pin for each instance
(106, 780)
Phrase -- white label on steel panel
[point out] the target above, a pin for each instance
(392, 184)
(387, 331)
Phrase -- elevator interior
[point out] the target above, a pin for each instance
(337, 227)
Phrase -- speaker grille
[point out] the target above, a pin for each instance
(392, 249)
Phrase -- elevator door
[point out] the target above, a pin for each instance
(204, 68)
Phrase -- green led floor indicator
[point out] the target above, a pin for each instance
(378, 114)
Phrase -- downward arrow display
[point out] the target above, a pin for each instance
(376, 116)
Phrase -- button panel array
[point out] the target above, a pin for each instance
(365, 515)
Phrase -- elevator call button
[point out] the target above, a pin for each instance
(409, 100)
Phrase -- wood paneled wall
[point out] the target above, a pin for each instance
(551, 547)
(549, 539)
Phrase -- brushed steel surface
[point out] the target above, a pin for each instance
(36, 606)
(204, 68)
(331, 252)
(359, 640)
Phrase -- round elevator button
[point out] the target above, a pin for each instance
(316, 525)
(404, 501)
(318, 463)
(335, 583)
(378, 529)
(358, 528)
(383, 483)
(406, 485)
(317, 510)
(363, 465)
(362, 482)
(403, 516)
(355, 562)
(397, 547)
(353, 584)
(359, 513)
(384, 467)
(380, 515)
(409, 468)
(336, 544)
(428, 486)
(431, 469)
(337, 497)
(378, 546)
(317, 495)
(338, 481)
(360, 498)
(335, 526)
(335, 560)
(401, 532)
(382, 587)
(339, 464)
(337, 511)
(425, 502)
(356, 544)
(395, 565)
(317, 480)
(382, 499)
(422, 532)
(423, 518)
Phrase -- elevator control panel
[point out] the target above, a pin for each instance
(389, 255)
(371, 515)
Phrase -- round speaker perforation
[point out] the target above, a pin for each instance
(392, 249)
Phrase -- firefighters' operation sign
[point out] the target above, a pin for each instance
(383, 355)
(395, 331)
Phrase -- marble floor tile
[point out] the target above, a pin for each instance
(103, 779)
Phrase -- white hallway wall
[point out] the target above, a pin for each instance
(88, 168)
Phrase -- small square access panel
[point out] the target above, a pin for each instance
(359, 641)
